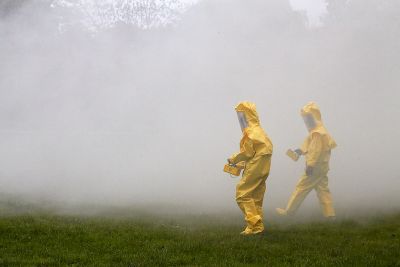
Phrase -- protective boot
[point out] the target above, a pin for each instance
(246, 231)
(256, 229)
(281, 211)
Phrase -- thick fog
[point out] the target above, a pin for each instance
(124, 115)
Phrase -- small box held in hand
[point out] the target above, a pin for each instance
(293, 155)
(233, 169)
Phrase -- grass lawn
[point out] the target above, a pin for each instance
(51, 240)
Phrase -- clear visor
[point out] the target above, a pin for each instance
(309, 121)
(242, 120)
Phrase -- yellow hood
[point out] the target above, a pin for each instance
(249, 109)
(313, 109)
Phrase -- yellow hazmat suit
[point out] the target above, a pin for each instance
(317, 151)
(255, 152)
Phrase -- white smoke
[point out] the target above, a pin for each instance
(147, 116)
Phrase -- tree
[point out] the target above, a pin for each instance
(96, 15)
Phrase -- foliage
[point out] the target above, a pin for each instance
(105, 14)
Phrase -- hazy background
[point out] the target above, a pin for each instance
(121, 115)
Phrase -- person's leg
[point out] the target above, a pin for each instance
(259, 198)
(248, 192)
(325, 197)
(245, 201)
(303, 187)
(265, 164)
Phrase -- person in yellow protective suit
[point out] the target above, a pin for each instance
(255, 153)
(317, 151)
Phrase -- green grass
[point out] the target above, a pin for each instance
(50, 240)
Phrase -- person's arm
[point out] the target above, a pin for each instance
(246, 152)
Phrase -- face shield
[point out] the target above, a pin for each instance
(242, 120)
(309, 121)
